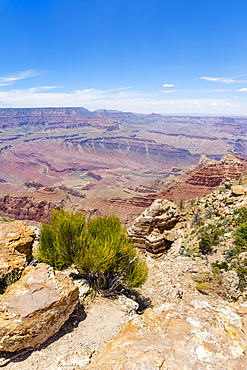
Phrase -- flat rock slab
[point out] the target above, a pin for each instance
(35, 307)
(16, 240)
(195, 336)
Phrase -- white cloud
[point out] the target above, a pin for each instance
(4, 81)
(220, 79)
(42, 88)
(168, 85)
(122, 99)
(243, 89)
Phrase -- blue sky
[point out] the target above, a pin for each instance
(176, 56)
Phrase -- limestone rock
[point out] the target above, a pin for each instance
(152, 229)
(35, 307)
(192, 336)
(16, 240)
(169, 235)
(226, 285)
(126, 304)
(203, 275)
(238, 189)
(84, 287)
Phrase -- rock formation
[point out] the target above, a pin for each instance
(35, 206)
(16, 240)
(35, 307)
(152, 230)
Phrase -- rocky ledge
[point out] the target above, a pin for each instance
(35, 307)
(198, 335)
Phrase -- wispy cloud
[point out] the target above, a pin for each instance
(220, 79)
(42, 88)
(169, 91)
(168, 85)
(243, 89)
(221, 90)
(121, 99)
(10, 80)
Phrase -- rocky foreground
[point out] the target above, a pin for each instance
(191, 313)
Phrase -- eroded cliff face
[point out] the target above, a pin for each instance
(213, 172)
(196, 183)
(36, 206)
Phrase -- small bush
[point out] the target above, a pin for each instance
(4, 219)
(210, 236)
(60, 240)
(108, 257)
(11, 278)
(217, 267)
(241, 235)
(100, 249)
(203, 287)
(239, 216)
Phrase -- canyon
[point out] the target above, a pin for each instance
(111, 161)
(61, 146)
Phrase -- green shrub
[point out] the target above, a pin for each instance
(4, 219)
(60, 240)
(100, 249)
(108, 257)
(209, 237)
(203, 287)
(217, 267)
(239, 216)
(241, 235)
(10, 279)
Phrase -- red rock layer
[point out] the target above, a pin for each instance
(202, 181)
(35, 206)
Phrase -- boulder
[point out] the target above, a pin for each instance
(227, 285)
(238, 190)
(152, 230)
(186, 336)
(126, 304)
(16, 240)
(35, 307)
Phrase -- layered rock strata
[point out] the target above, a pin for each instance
(35, 308)
(35, 206)
(152, 230)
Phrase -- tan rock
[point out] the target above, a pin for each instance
(227, 285)
(16, 240)
(35, 307)
(152, 230)
(193, 336)
(238, 189)
(203, 275)
(169, 235)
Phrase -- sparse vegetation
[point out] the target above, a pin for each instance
(209, 237)
(203, 287)
(4, 219)
(241, 235)
(11, 278)
(239, 216)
